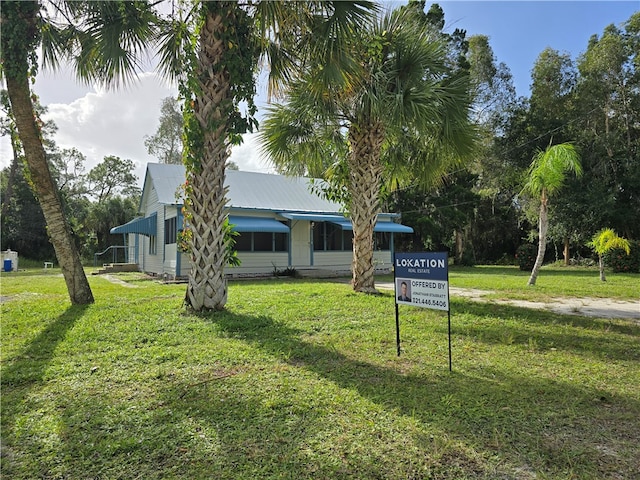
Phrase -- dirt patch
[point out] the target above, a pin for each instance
(586, 307)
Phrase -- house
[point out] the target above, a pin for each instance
(280, 222)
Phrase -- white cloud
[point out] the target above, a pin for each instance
(106, 122)
(114, 122)
(247, 156)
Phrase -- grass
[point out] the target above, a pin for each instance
(299, 379)
(553, 282)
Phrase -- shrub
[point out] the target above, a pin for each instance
(526, 256)
(620, 262)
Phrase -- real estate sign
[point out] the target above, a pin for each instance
(422, 279)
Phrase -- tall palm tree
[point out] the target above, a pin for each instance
(402, 115)
(91, 35)
(219, 75)
(547, 174)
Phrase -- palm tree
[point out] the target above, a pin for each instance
(546, 176)
(214, 47)
(603, 242)
(90, 35)
(219, 74)
(402, 116)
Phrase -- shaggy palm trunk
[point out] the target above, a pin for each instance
(365, 176)
(57, 226)
(543, 226)
(207, 289)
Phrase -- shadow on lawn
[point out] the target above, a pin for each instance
(554, 425)
(523, 325)
(27, 368)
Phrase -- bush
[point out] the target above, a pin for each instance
(618, 260)
(526, 256)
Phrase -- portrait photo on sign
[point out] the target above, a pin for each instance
(403, 290)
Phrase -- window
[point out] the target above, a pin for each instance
(243, 242)
(280, 242)
(153, 248)
(328, 236)
(382, 240)
(261, 242)
(170, 229)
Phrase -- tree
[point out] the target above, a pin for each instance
(603, 242)
(113, 176)
(222, 46)
(166, 143)
(404, 115)
(607, 129)
(93, 39)
(547, 174)
(23, 226)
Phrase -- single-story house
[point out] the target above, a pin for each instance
(281, 224)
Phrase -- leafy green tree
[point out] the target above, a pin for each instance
(547, 175)
(166, 143)
(102, 216)
(607, 129)
(113, 176)
(23, 226)
(402, 117)
(92, 39)
(603, 242)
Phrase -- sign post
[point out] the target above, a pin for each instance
(422, 280)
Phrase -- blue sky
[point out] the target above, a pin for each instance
(101, 123)
(519, 31)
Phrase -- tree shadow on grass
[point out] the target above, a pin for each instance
(554, 425)
(522, 325)
(26, 369)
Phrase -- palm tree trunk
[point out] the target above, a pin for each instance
(207, 288)
(57, 226)
(365, 176)
(601, 265)
(542, 239)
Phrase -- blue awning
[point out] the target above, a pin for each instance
(392, 227)
(315, 217)
(345, 223)
(379, 227)
(143, 225)
(257, 224)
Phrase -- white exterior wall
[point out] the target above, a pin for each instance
(185, 264)
(259, 262)
(152, 263)
(340, 260)
(382, 260)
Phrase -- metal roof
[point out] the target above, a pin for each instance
(247, 190)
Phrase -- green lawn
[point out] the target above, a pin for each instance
(299, 379)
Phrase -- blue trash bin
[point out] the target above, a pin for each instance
(7, 265)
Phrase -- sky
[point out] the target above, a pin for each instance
(100, 123)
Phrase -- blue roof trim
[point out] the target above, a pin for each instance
(314, 217)
(392, 227)
(144, 225)
(379, 227)
(257, 224)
